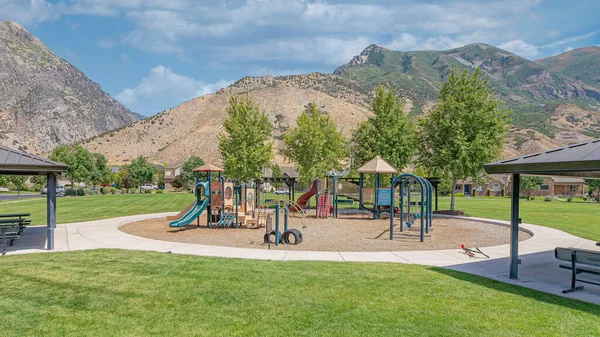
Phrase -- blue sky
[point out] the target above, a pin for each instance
(155, 54)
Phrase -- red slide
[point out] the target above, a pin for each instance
(303, 200)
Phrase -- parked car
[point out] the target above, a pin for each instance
(59, 190)
(148, 187)
(282, 190)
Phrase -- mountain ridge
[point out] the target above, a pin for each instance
(44, 100)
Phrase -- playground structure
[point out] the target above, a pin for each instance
(409, 183)
(271, 213)
(226, 205)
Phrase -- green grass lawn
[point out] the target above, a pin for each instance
(130, 293)
(96, 207)
(578, 218)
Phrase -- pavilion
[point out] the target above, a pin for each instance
(13, 162)
(578, 160)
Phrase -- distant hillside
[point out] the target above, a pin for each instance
(44, 100)
(580, 64)
(417, 75)
(550, 109)
(192, 128)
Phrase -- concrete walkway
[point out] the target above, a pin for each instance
(539, 269)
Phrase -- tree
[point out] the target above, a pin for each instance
(276, 173)
(141, 171)
(465, 130)
(123, 178)
(79, 160)
(100, 171)
(247, 148)
(18, 182)
(3, 180)
(529, 183)
(38, 182)
(390, 133)
(594, 185)
(177, 182)
(188, 176)
(314, 144)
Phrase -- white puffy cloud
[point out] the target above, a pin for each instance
(162, 89)
(521, 48)
(569, 48)
(105, 43)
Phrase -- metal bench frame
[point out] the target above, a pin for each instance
(576, 270)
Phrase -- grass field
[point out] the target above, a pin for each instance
(96, 207)
(578, 218)
(117, 293)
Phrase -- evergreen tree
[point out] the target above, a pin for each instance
(390, 133)
(246, 148)
(314, 144)
(465, 130)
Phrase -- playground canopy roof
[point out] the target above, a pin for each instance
(377, 165)
(208, 168)
(16, 162)
(578, 160)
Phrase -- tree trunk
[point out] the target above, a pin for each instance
(452, 195)
(19, 193)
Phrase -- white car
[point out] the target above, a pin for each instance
(148, 187)
(59, 190)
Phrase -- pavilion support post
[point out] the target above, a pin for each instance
(514, 227)
(51, 210)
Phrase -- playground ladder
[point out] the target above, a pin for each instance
(324, 206)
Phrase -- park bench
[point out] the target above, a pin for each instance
(581, 262)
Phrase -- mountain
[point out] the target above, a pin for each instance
(44, 100)
(580, 64)
(192, 128)
(417, 75)
(549, 109)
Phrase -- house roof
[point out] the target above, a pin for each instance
(267, 172)
(290, 172)
(19, 162)
(564, 180)
(579, 160)
(208, 168)
(377, 165)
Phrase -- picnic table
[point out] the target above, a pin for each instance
(11, 228)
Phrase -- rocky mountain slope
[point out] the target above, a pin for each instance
(551, 109)
(580, 64)
(417, 75)
(44, 100)
(192, 127)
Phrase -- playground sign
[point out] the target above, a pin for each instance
(383, 197)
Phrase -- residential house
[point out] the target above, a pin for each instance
(170, 173)
(494, 185)
(558, 186)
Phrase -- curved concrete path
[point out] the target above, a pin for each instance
(539, 269)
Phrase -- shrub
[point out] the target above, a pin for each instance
(124, 191)
(459, 194)
(159, 191)
(70, 191)
(37, 187)
(569, 199)
(113, 191)
(103, 190)
(80, 192)
(547, 198)
(147, 191)
(532, 198)
(584, 198)
(488, 193)
(502, 193)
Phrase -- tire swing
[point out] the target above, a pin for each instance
(293, 234)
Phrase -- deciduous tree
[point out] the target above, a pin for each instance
(390, 133)
(246, 148)
(79, 160)
(594, 185)
(314, 144)
(100, 173)
(465, 130)
(17, 182)
(528, 184)
(141, 171)
(188, 176)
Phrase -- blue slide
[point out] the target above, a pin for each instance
(192, 214)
